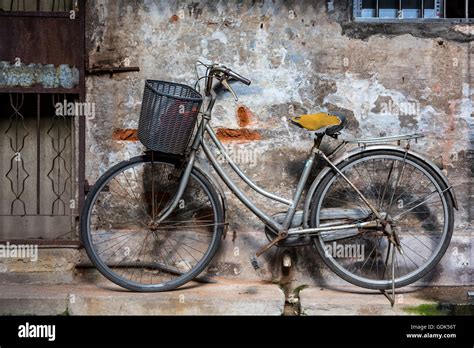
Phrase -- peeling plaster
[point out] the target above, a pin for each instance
(48, 75)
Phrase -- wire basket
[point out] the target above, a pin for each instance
(168, 116)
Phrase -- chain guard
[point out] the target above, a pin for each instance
(290, 241)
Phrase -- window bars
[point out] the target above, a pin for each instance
(37, 167)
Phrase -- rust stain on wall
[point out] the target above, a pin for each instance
(125, 135)
(244, 116)
(174, 18)
(228, 134)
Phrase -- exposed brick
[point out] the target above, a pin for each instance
(125, 134)
(244, 116)
(228, 134)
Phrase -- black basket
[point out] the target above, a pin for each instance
(168, 116)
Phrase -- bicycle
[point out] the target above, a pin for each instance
(155, 221)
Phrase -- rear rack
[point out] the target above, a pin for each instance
(384, 140)
(376, 140)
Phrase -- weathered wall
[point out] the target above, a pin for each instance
(301, 57)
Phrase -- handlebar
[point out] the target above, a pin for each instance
(223, 74)
(230, 73)
(239, 77)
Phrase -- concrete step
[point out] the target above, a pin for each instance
(52, 266)
(350, 300)
(221, 298)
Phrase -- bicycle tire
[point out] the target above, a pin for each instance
(184, 278)
(381, 285)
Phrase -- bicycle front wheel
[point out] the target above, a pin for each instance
(408, 193)
(125, 242)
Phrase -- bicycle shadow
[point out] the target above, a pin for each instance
(315, 269)
(188, 286)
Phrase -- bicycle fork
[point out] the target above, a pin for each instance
(183, 182)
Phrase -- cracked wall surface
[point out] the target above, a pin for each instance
(301, 57)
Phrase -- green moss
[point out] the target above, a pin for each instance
(298, 289)
(426, 309)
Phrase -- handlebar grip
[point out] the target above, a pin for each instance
(240, 78)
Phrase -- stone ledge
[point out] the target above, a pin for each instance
(223, 298)
(350, 300)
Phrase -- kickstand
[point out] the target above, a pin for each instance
(391, 298)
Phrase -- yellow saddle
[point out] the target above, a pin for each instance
(322, 120)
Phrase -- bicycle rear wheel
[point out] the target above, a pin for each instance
(405, 190)
(121, 234)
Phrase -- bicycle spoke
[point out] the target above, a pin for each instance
(428, 197)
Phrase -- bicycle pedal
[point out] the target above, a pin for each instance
(254, 262)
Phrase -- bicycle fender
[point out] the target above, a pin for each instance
(359, 150)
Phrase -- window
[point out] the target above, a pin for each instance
(386, 10)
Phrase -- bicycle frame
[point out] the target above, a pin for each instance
(198, 142)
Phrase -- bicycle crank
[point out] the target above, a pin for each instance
(253, 260)
(282, 235)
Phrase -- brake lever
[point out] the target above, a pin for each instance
(227, 86)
